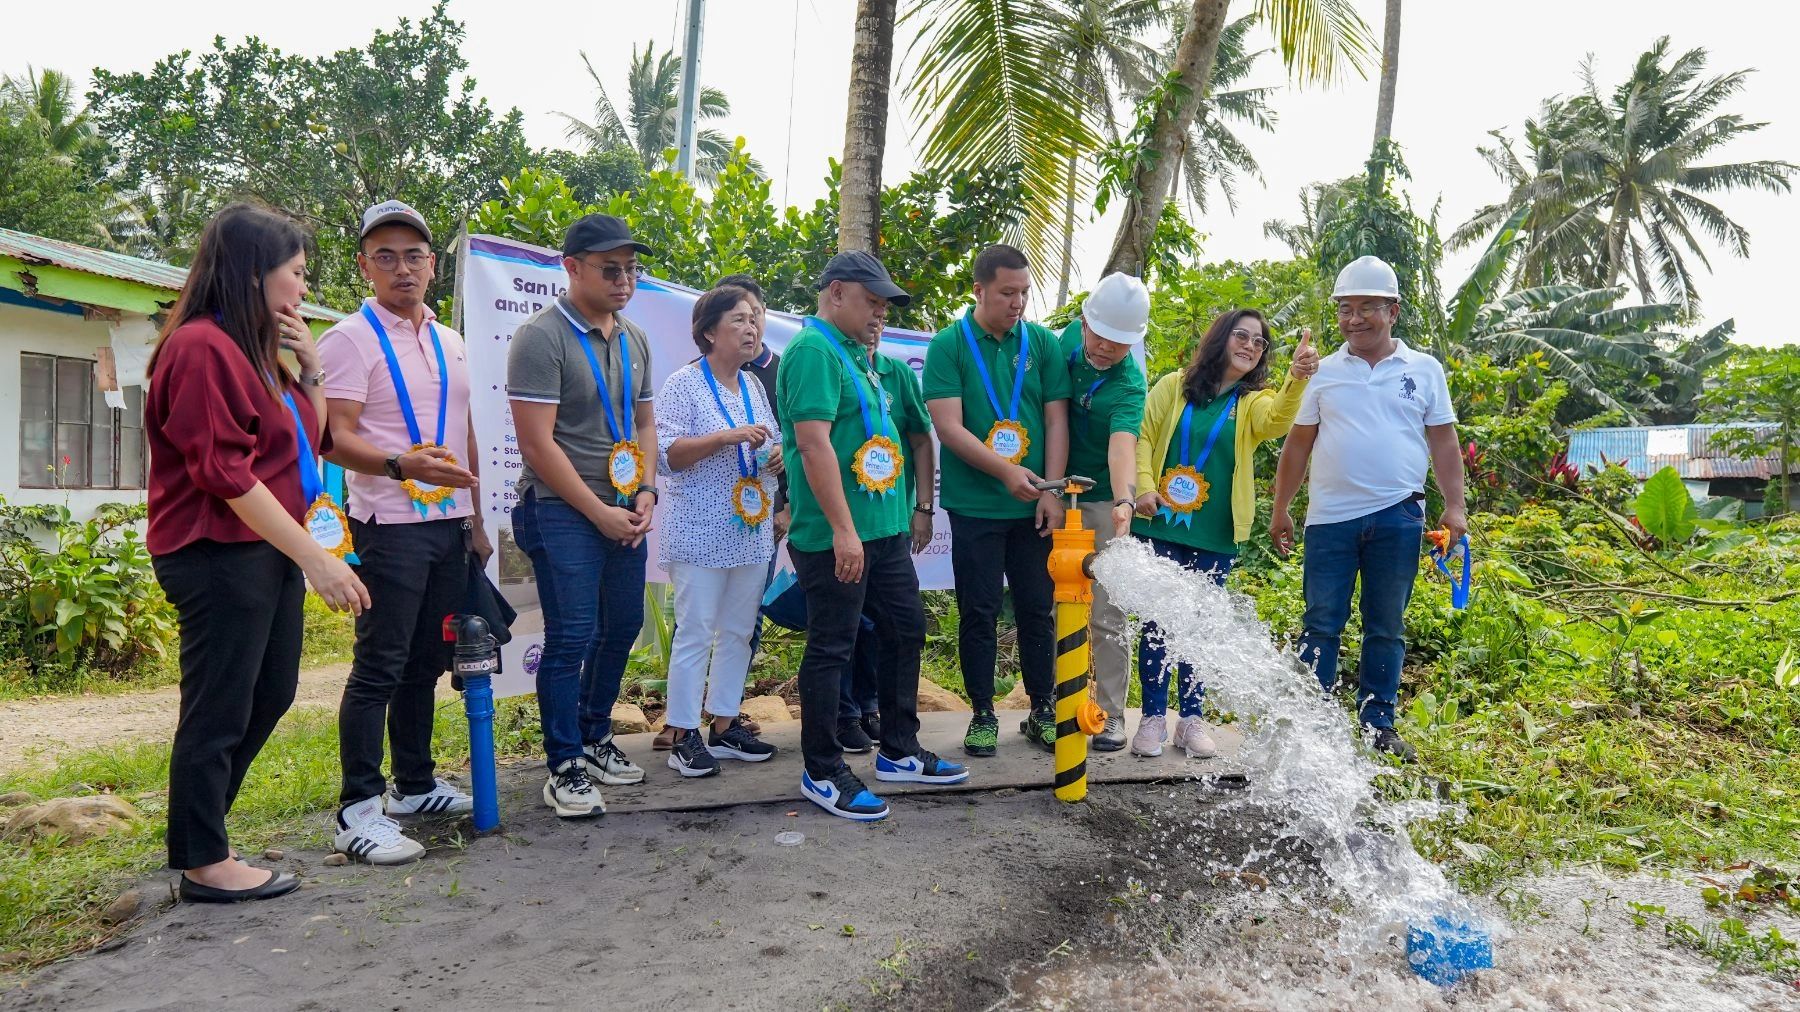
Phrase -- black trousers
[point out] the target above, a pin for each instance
(986, 556)
(890, 587)
(416, 574)
(239, 607)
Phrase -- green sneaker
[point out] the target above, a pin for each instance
(1040, 727)
(984, 734)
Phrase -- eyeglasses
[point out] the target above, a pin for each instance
(1243, 336)
(387, 262)
(1345, 310)
(613, 272)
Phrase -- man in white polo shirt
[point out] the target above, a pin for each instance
(1377, 413)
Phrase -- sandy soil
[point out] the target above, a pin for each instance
(926, 910)
(35, 732)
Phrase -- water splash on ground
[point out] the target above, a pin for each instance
(1300, 755)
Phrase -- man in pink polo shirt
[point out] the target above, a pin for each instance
(397, 399)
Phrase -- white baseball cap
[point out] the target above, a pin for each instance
(1118, 309)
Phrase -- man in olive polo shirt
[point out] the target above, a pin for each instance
(848, 540)
(998, 392)
(1106, 409)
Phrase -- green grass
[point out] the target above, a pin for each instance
(52, 894)
(330, 635)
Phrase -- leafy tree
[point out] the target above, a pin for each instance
(932, 226)
(1372, 221)
(48, 97)
(1616, 185)
(1213, 155)
(594, 176)
(43, 193)
(1761, 385)
(1183, 306)
(319, 138)
(651, 124)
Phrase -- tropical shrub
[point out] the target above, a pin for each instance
(85, 604)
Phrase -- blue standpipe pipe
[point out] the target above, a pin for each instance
(477, 661)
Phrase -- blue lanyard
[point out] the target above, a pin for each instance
(1087, 400)
(1187, 418)
(987, 382)
(862, 400)
(620, 433)
(311, 485)
(746, 463)
(393, 364)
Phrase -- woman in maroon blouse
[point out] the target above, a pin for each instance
(231, 435)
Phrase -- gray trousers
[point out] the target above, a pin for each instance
(1106, 624)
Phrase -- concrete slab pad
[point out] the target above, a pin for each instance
(1018, 765)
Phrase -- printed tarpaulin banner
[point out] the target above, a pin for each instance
(500, 282)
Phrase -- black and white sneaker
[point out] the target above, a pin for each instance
(571, 794)
(690, 757)
(1388, 740)
(365, 833)
(738, 743)
(607, 764)
(852, 738)
(442, 799)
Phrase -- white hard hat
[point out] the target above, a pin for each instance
(1367, 276)
(1118, 309)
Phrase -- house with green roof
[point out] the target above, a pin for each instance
(77, 325)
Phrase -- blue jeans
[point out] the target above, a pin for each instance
(1383, 548)
(857, 692)
(591, 589)
(1153, 668)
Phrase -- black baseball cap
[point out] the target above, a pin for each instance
(867, 271)
(598, 233)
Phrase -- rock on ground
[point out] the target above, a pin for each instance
(934, 698)
(628, 718)
(766, 709)
(77, 819)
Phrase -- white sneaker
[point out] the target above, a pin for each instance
(366, 834)
(1151, 733)
(608, 765)
(1191, 735)
(442, 799)
(571, 794)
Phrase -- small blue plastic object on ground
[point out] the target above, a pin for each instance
(1445, 951)
(1459, 590)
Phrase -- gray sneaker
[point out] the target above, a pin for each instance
(1111, 737)
(1151, 733)
(606, 764)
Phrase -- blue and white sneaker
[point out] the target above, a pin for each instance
(921, 767)
(844, 796)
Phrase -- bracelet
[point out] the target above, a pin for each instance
(1125, 502)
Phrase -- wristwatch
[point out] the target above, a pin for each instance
(641, 489)
(315, 380)
(392, 467)
(925, 509)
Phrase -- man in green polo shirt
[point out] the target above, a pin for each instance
(1106, 409)
(998, 394)
(849, 537)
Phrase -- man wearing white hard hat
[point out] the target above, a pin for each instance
(1106, 407)
(1377, 414)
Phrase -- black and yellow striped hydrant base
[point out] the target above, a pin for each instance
(1071, 697)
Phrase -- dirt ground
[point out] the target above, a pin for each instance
(36, 731)
(931, 909)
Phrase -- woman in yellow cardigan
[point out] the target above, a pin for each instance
(1196, 464)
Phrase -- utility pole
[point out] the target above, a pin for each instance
(690, 88)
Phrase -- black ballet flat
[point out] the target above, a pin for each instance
(279, 884)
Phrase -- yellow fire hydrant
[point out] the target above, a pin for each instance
(1077, 716)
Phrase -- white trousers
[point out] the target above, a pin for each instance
(715, 612)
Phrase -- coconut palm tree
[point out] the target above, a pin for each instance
(865, 127)
(650, 124)
(1317, 40)
(1615, 185)
(48, 98)
(1390, 72)
(1212, 154)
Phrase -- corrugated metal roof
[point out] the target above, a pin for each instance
(1700, 461)
(36, 249)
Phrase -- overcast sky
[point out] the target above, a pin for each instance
(1465, 69)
